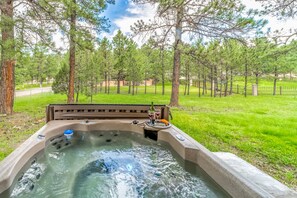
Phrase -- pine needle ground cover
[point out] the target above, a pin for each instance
(261, 130)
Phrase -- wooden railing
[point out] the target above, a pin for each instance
(101, 111)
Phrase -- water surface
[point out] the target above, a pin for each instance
(113, 164)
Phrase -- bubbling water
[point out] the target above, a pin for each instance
(111, 164)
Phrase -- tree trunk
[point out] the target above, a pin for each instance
(145, 85)
(211, 82)
(119, 83)
(203, 87)
(257, 76)
(72, 43)
(108, 84)
(77, 95)
(92, 89)
(221, 76)
(221, 87)
(185, 90)
(39, 77)
(7, 78)
(163, 71)
(96, 85)
(189, 81)
(129, 89)
(163, 83)
(221, 84)
(155, 86)
(227, 82)
(245, 77)
(81, 86)
(40, 83)
(186, 80)
(137, 89)
(205, 84)
(133, 87)
(105, 72)
(100, 86)
(174, 101)
(199, 94)
(215, 79)
(231, 81)
(105, 82)
(203, 79)
(275, 79)
(77, 90)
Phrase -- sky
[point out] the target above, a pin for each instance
(117, 11)
(125, 13)
(122, 15)
(274, 23)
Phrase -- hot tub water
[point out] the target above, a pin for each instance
(112, 164)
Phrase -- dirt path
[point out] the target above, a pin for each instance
(30, 92)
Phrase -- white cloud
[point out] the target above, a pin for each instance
(135, 13)
(108, 35)
(60, 41)
(251, 4)
(146, 12)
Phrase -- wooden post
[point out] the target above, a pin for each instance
(199, 89)
(237, 89)
(280, 90)
(255, 90)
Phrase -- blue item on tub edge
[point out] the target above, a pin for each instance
(68, 133)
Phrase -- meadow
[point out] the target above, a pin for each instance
(262, 130)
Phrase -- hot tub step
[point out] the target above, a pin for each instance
(256, 176)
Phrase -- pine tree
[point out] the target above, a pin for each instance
(198, 18)
(119, 42)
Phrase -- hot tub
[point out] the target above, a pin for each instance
(113, 153)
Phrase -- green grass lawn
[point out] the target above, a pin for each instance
(261, 130)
